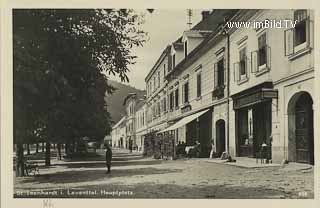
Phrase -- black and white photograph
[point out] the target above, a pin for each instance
(127, 103)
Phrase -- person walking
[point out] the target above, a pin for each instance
(212, 149)
(108, 158)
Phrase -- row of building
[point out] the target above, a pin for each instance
(234, 87)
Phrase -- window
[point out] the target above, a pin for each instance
(199, 84)
(243, 64)
(159, 109)
(177, 97)
(220, 73)
(158, 78)
(186, 92)
(262, 50)
(297, 39)
(164, 70)
(185, 49)
(154, 83)
(173, 61)
(171, 100)
(300, 29)
(164, 104)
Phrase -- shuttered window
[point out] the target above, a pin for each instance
(243, 65)
(262, 50)
(177, 97)
(186, 92)
(199, 84)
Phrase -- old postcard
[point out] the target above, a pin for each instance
(100, 101)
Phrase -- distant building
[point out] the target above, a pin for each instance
(132, 102)
(108, 140)
(119, 134)
(141, 123)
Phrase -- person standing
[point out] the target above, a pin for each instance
(108, 158)
(212, 149)
(130, 145)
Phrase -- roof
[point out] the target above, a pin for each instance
(164, 52)
(140, 103)
(119, 122)
(213, 21)
(132, 94)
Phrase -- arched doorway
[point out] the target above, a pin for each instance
(220, 136)
(300, 128)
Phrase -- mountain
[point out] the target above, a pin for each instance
(115, 100)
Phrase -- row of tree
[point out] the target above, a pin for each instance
(61, 59)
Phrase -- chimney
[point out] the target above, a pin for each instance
(205, 14)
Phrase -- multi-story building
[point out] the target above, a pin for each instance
(272, 91)
(141, 123)
(156, 100)
(132, 103)
(197, 92)
(118, 134)
(238, 88)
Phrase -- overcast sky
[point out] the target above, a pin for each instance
(164, 27)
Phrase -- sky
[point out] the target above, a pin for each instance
(163, 27)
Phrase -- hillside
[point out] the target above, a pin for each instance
(115, 101)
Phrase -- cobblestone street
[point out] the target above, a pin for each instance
(133, 176)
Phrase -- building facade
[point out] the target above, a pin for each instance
(119, 134)
(236, 89)
(272, 90)
(141, 124)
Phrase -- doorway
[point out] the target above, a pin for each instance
(301, 132)
(220, 137)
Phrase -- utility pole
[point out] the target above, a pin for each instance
(189, 14)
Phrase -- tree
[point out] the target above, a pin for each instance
(61, 58)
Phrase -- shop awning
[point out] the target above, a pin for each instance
(184, 121)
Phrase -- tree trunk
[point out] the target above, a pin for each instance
(74, 147)
(19, 161)
(42, 146)
(66, 148)
(28, 149)
(37, 147)
(47, 155)
(59, 151)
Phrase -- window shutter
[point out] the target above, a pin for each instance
(248, 67)
(309, 32)
(254, 61)
(268, 57)
(236, 71)
(288, 42)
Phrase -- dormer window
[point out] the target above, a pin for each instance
(185, 49)
(173, 61)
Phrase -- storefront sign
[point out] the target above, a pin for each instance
(255, 97)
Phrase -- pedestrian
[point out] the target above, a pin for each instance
(108, 158)
(212, 149)
(130, 145)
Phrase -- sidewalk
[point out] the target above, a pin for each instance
(246, 162)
